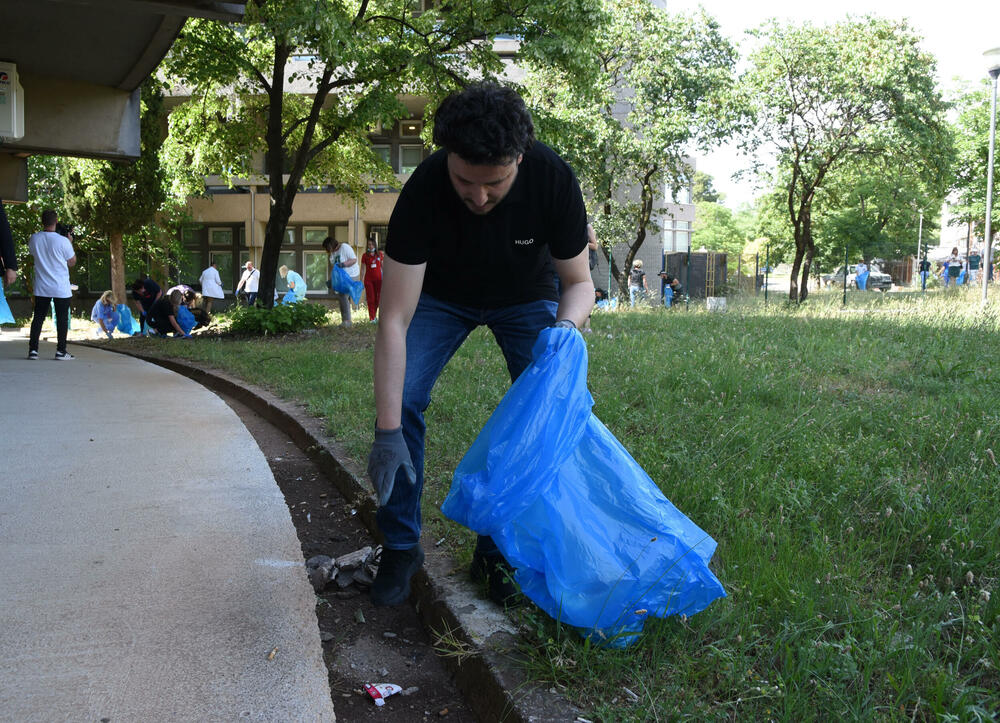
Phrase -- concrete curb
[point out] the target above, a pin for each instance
(482, 636)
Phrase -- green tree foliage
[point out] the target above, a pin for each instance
(855, 94)
(44, 191)
(972, 144)
(301, 82)
(663, 88)
(717, 228)
(872, 206)
(703, 189)
(117, 200)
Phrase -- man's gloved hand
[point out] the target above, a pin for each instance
(564, 324)
(388, 454)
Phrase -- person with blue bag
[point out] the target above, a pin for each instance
(105, 314)
(345, 278)
(296, 285)
(861, 275)
(479, 233)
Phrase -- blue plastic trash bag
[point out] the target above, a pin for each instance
(592, 538)
(185, 319)
(6, 317)
(126, 324)
(961, 278)
(289, 297)
(341, 283)
(861, 280)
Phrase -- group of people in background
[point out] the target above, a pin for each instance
(953, 270)
(639, 290)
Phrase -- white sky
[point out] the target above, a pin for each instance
(956, 32)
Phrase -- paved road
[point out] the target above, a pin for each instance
(148, 563)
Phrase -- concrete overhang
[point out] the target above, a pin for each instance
(81, 63)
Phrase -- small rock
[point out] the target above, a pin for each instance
(319, 577)
(345, 578)
(363, 577)
(387, 634)
(325, 636)
(319, 560)
(346, 594)
(320, 569)
(354, 560)
(359, 616)
(410, 691)
(384, 672)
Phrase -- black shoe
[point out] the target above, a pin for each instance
(392, 581)
(498, 574)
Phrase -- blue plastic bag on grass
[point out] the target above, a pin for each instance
(592, 539)
(6, 317)
(341, 283)
(126, 324)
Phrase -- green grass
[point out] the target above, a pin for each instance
(843, 460)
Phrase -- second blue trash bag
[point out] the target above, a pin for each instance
(341, 283)
(126, 324)
(185, 319)
(6, 317)
(592, 538)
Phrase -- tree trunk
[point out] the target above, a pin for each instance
(274, 236)
(810, 252)
(117, 267)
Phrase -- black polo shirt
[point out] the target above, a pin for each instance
(501, 258)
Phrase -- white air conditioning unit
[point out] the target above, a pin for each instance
(11, 104)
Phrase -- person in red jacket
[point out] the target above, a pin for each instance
(371, 262)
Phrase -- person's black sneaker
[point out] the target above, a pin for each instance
(498, 574)
(32, 354)
(392, 581)
(64, 356)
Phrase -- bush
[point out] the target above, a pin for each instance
(279, 320)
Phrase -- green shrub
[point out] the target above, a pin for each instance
(279, 320)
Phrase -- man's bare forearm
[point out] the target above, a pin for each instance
(390, 371)
(576, 302)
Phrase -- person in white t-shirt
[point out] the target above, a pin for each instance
(250, 280)
(54, 255)
(343, 254)
(211, 286)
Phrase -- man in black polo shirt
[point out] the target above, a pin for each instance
(476, 238)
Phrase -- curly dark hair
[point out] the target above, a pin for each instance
(485, 124)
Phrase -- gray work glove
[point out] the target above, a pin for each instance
(564, 324)
(388, 454)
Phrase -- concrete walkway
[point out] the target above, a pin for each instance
(148, 563)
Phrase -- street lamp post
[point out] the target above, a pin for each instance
(920, 238)
(994, 70)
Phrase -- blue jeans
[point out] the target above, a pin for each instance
(636, 292)
(436, 331)
(923, 279)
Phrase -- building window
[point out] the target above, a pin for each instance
(410, 128)
(224, 259)
(191, 235)
(409, 158)
(189, 266)
(384, 152)
(378, 232)
(220, 237)
(314, 236)
(317, 271)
